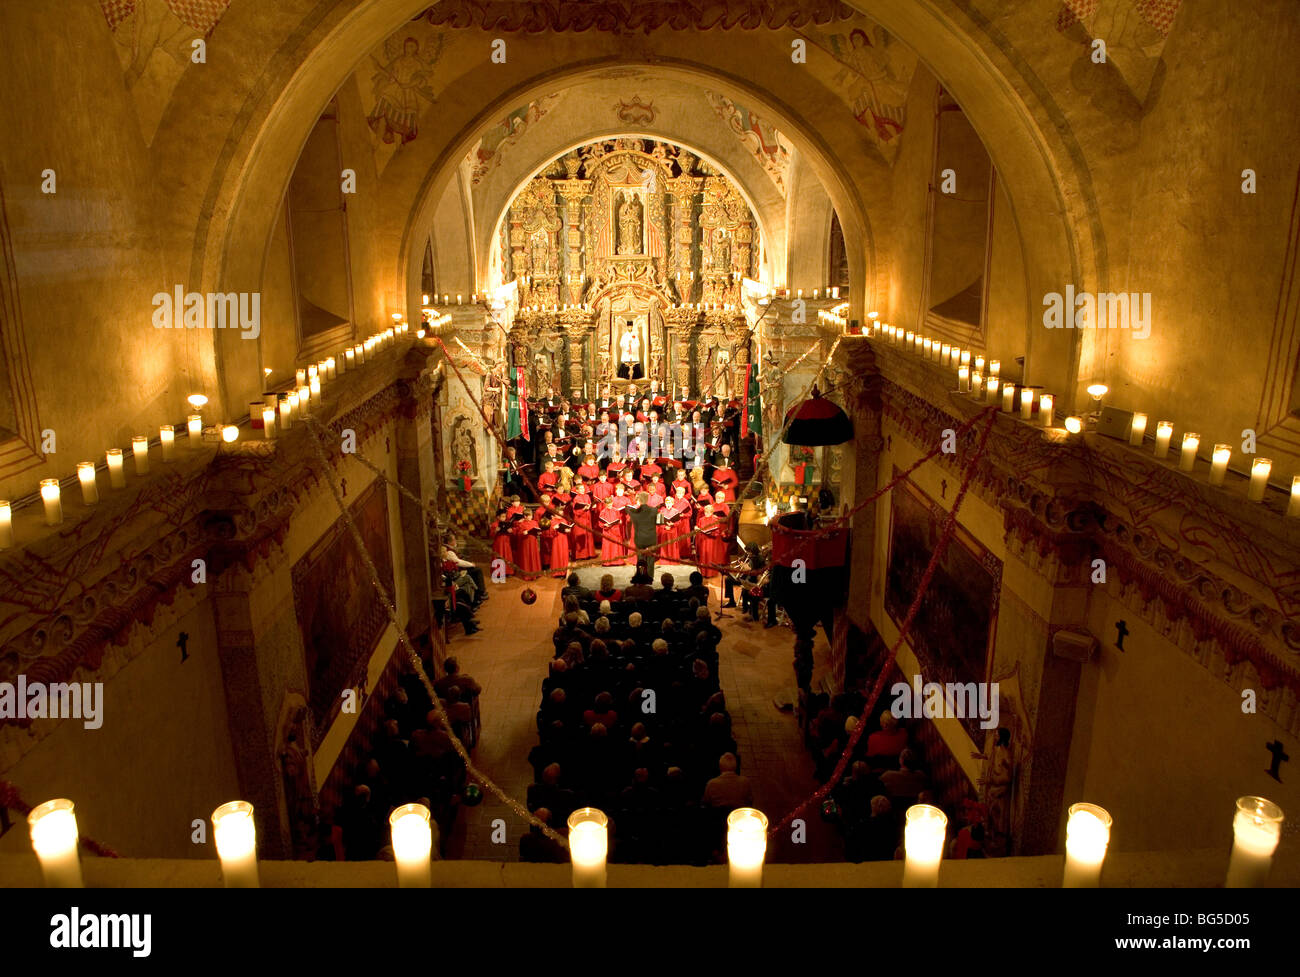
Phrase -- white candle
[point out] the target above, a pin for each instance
(6, 524)
(89, 486)
(1164, 434)
(588, 846)
(746, 847)
(979, 363)
(835, 292)
(315, 391)
(268, 423)
(1008, 398)
(1293, 507)
(1219, 463)
(1046, 404)
(909, 339)
(331, 371)
(140, 452)
(313, 371)
(1087, 834)
(977, 384)
(350, 358)
(1256, 828)
(116, 473)
(965, 357)
(53, 504)
(300, 377)
(286, 412)
(304, 399)
(1191, 444)
(229, 433)
(963, 379)
(934, 352)
(991, 385)
(928, 346)
(1026, 403)
(1259, 473)
(167, 440)
(945, 353)
(1074, 424)
(412, 844)
(923, 840)
(194, 426)
(236, 838)
(53, 827)
(458, 299)
(1138, 429)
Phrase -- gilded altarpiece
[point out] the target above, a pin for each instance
(630, 252)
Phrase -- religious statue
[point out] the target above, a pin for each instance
(629, 225)
(463, 446)
(539, 252)
(721, 252)
(998, 788)
(629, 353)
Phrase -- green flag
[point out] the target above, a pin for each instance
(752, 420)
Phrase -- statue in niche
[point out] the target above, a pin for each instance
(629, 224)
(464, 447)
(1005, 752)
(629, 353)
(538, 252)
(722, 372)
(299, 797)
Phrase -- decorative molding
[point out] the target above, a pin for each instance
(621, 17)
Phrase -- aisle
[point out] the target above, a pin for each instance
(509, 660)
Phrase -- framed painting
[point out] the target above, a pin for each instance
(340, 616)
(956, 624)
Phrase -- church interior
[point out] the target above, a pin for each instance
(674, 443)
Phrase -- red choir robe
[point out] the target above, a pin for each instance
(726, 480)
(684, 482)
(678, 513)
(546, 482)
(555, 544)
(711, 542)
(501, 547)
(588, 472)
(528, 550)
(630, 484)
(613, 546)
(650, 469)
(614, 469)
(601, 491)
(581, 537)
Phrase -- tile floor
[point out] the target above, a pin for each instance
(509, 659)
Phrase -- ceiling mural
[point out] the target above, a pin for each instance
(770, 148)
(399, 82)
(487, 153)
(874, 74)
(155, 44)
(1135, 32)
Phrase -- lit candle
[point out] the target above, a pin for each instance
(1219, 463)
(1009, 398)
(927, 345)
(1026, 403)
(1087, 834)
(236, 838)
(360, 349)
(945, 353)
(746, 847)
(412, 843)
(923, 838)
(229, 433)
(53, 504)
(300, 376)
(1191, 444)
(304, 399)
(1259, 472)
(350, 358)
(1256, 828)
(315, 391)
(1074, 424)
(194, 426)
(977, 384)
(313, 371)
(268, 423)
(991, 384)
(167, 439)
(1164, 434)
(963, 379)
(140, 452)
(814, 293)
(909, 339)
(1293, 507)
(116, 473)
(835, 292)
(1138, 430)
(1046, 403)
(588, 846)
(53, 827)
(458, 299)
(965, 357)
(6, 525)
(89, 486)
(286, 412)
(995, 367)
(979, 363)
(444, 298)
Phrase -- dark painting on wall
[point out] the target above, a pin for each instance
(340, 616)
(957, 620)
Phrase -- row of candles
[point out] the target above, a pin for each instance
(971, 379)
(1256, 828)
(262, 414)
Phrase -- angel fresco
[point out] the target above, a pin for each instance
(398, 86)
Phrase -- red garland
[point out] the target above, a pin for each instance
(949, 527)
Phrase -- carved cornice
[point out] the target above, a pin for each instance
(1179, 549)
